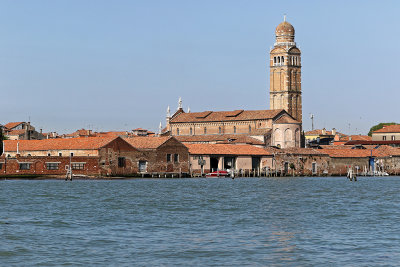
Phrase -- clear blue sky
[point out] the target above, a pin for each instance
(117, 65)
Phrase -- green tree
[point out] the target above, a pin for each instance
(379, 126)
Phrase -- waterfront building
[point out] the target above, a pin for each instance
(205, 158)
(98, 156)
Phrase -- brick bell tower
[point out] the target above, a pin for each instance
(285, 72)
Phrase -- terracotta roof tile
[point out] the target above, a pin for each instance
(235, 138)
(147, 142)
(237, 115)
(286, 119)
(15, 132)
(226, 149)
(389, 129)
(83, 143)
(11, 125)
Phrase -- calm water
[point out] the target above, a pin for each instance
(201, 222)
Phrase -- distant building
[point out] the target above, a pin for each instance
(387, 133)
(21, 131)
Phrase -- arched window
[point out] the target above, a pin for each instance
(283, 59)
(291, 60)
(205, 130)
(191, 131)
(279, 60)
(177, 131)
(274, 60)
(234, 129)
(249, 128)
(220, 130)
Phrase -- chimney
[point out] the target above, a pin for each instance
(333, 131)
(324, 131)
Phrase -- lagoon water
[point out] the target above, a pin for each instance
(201, 222)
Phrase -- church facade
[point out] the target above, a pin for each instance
(280, 126)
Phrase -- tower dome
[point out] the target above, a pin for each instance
(285, 28)
(284, 32)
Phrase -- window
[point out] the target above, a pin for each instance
(314, 168)
(121, 162)
(78, 166)
(177, 131)
(48, 154)
(234, 129)
(191, 131)
(72, 154)
(205, 130)
(393, 138)
(29, 155)
(274, 60)
(384, 138)
(249, 128)
(60, 154)
(52, 165)
(219, 130)
(142, 166)
(176, 158)
(1, 166)
(283, 59)
(168, 157)
(24, 166)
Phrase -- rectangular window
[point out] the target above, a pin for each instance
(78, 166)
(121, 162)
(168, 157)
(1, 166)
(52, 166)
(176, 158)
(24, 166)
(384, 138)
(314, 168)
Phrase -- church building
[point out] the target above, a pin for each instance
(280, 126)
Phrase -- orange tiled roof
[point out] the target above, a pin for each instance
(389, 129)
(57, 144)
(318, 132)
(11, 125)
(236, 115)
(226, 149)
(15, 132)
(236, 138)
(358, 153)
(286, 119)
(355, 138)
(146, 142)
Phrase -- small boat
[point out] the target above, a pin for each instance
(218, 174)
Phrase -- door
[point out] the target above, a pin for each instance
(255, 163)
(214, 164)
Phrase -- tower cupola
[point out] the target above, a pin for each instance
(284, 33)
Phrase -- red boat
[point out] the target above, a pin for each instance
(218, 174)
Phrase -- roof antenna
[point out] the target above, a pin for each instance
(284, 17)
